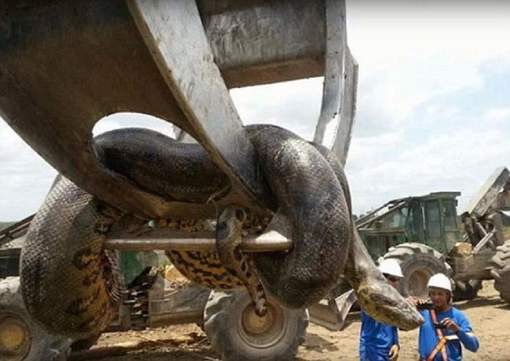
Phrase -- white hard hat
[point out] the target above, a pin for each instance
(440, 280)
(390, 267)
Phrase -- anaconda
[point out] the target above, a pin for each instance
(62, 278)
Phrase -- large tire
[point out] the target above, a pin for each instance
(20, 337)
(500, 271)
(236, 333)
(418, 262)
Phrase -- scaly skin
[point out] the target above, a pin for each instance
(62, 277)
(228, 241)
(376, 296)
(63, 281)
(311, 198)
(303, 184)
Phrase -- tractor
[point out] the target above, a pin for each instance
(426, 235)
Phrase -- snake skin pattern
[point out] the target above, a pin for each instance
(309, 194)
(304, 186)
(237, 263)
(64, 282)
(207, 268)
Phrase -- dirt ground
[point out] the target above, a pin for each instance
(489, 316)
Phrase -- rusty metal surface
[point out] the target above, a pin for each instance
(259, 42)
(65, 65)
(68, 64)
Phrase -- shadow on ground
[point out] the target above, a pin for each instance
(482, 302)
(195, 349)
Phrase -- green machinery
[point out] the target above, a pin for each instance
(426, 235)
(429, 219)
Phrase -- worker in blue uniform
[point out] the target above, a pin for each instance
(378, 341)
(446, 329)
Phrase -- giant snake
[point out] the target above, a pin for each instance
(65, 280)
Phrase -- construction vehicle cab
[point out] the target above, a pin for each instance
(430, 219)
(426, 235)
(415, 231)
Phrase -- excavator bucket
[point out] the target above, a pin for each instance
(64, 65)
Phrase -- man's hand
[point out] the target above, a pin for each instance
(412, 300)
(393, 354)
(450, 324)
(415, 301)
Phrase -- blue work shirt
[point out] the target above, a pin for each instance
(376, 339)
(428, 338)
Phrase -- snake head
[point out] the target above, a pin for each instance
(232, 216)
(229, 224)
(385, 304)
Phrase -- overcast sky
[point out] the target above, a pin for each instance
(433, 106)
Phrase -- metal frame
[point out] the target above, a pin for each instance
(174, 59)
(275, 238)
(340, 85)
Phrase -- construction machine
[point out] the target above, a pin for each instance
(66, 65)
(426, 235)
(426, 238)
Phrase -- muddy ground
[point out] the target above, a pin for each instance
(490, 318)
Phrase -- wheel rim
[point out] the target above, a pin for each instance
(262, 332)
(417, 284)
(15, 340)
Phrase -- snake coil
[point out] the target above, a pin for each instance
(64, 282)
